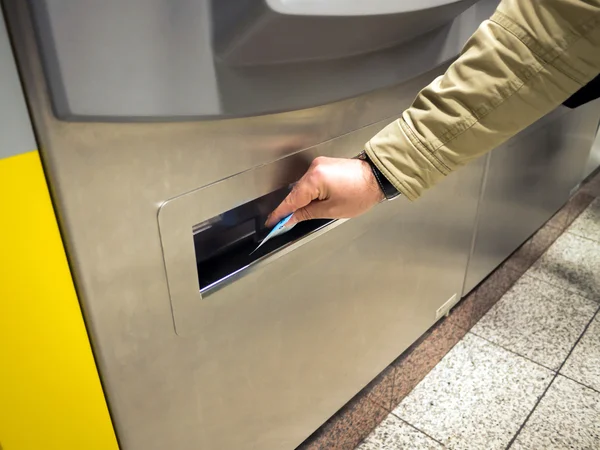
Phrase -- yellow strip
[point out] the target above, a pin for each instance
(50, 393)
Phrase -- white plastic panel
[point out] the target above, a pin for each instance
(352, 7)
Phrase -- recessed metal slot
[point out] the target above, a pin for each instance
(223, 244)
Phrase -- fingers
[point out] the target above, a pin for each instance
(320, 209)
(301, 195)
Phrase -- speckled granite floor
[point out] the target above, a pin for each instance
(527, 375)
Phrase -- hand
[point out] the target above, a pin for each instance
(332, 188)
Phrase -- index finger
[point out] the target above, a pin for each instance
(300, 196)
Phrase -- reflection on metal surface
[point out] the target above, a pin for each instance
(528, 180)
(190, 59)
(593, 162)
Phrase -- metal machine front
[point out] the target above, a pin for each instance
(528, 180)
(593, 162)
(163, 162)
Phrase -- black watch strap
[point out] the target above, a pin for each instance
(387, 188)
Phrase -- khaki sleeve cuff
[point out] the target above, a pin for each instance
(410, 169)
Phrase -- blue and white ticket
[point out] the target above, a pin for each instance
(277, 230)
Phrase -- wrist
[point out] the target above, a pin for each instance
(387, 188)
(372, 184)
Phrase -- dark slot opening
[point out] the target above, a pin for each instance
(223, 244)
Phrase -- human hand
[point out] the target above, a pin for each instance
(332, 188)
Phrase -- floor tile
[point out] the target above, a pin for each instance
(583, 364)
(348, 427)
(412, 367)
(592, 185)
(460, 314)
(394, 434)
(577, 204)
(381, 389)
(560, 219)
(524, 256)
(491, 290)
(588, 223)
(543, 239)
(572, 263)
(534, 247)
(477, 397)
(537, 320)
(568, 417)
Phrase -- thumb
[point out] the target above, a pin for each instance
(318, 209)
(301, 196)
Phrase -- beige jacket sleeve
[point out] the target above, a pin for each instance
(523, 62)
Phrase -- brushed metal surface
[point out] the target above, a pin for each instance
(159, 59)
(593, 161)
(178, 216)
(528, 180)
(266, 360)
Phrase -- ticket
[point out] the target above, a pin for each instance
(277, 230)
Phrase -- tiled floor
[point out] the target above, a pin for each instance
(527, 375)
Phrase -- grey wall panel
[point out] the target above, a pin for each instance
(594, 159)
(529, 178)
(16, 135)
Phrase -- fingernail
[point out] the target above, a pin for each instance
(289, 223)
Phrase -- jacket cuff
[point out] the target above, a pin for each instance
(409, 169)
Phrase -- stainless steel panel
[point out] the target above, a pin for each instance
(528, 180)
(265, 361)
(178, 216)
(124, 59)
(594, 158)
(593, 161)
